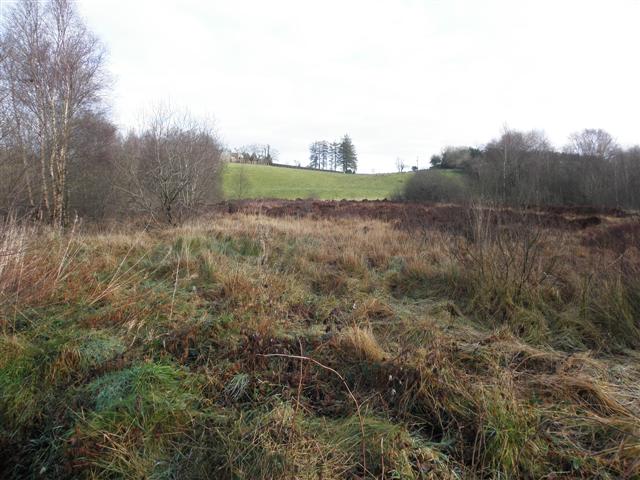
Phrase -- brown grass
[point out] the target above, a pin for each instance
(251, 346)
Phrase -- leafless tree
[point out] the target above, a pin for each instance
(596, 146)
(91, 178)
(507, 158)
(523, 168)
(400, 165)
(171, 167)
(592, 143)
(52, 74)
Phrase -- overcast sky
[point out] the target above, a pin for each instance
(404, 77)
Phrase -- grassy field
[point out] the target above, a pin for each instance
(261, 181)
(250, 347)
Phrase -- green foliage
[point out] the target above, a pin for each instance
(348, 156)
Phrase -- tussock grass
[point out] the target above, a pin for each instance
(255, 347)
(362, 344)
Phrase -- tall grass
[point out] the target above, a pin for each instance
(255, 347)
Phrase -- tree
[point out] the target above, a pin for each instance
(314, 155)
(596, 146)
(172, 167)
(436, 161)
(456, 157)
(503, 171)
(331, 155)
(91, 178)
(52, 74)
(400, 165)
(592, 142)
(334, 155)
(523, 168)
(323, 151)
(348, 157)
(321, 155)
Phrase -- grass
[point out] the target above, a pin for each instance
(261, 181)
(244, 346)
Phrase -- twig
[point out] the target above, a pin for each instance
(299, 379)
(382, 456)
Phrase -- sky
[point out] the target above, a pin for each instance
(404, 78)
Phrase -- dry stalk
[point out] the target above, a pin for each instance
(175, 288)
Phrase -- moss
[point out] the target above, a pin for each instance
(34, 374)
(132, 419)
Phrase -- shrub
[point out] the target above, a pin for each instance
(434, 186)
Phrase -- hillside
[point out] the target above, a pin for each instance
(261, 181)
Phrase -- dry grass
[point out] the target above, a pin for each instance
(361, 344)
(244, 346)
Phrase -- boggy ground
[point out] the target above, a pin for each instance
(250, 345)
(417, 215)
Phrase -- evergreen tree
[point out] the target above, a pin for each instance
(348, 157)
(314, 155)
(333, 155)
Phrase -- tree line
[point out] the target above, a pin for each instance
(338, 156)
(60, 155)
(524, 168)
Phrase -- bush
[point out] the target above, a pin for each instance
(434, 186)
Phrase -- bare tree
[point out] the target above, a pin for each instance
(91, 177)
(400, 165)
(592, 142)
(504, 174)
(171, 167)
(596, 146)
(53, 74)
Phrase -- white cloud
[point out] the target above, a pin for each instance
(404, 78)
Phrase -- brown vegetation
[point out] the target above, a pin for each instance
(450, 217)
(324, 345)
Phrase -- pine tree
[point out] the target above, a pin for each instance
(348, 157)
(314, 157)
